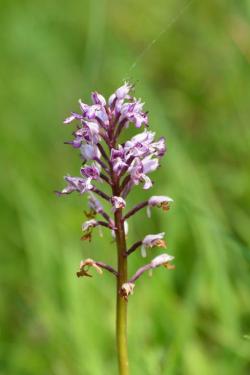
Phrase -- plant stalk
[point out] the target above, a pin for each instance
(121, 303)
(122, 277)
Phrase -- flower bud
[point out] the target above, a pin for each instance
(117, 202)
(98, 99)
(126, 290)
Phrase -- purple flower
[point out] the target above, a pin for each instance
(152, 240)
(89, 151)
(89, 111)
(118, 165)
(76, 184)
(91, 172)
(139, 168)
(69, 119)
(142, 145)
(139, 145)
(159, 147)
(98, 99)
(121, 93)
(117, 153)
(90, 132)
(76, 143)
(158, 201)
(149, 164)
(136, 171)
(95, 112)
(118, 159)
(132, 112)
(128, 111)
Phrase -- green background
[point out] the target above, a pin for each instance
(194, 76)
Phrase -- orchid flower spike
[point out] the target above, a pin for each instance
(110, 168)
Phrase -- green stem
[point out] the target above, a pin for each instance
(121, 304)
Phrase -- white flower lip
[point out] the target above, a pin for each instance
(159, 199)
(161, 259)
(152, 240)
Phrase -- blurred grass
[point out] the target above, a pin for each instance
(196, 83)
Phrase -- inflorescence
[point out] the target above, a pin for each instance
(122, 166)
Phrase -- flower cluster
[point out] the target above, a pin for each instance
(120, 166)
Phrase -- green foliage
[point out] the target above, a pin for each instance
(196, 83)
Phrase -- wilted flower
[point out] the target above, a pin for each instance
(158, 201)
(162, 259)
(152, 240)
(89, 224)
(85, 265)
